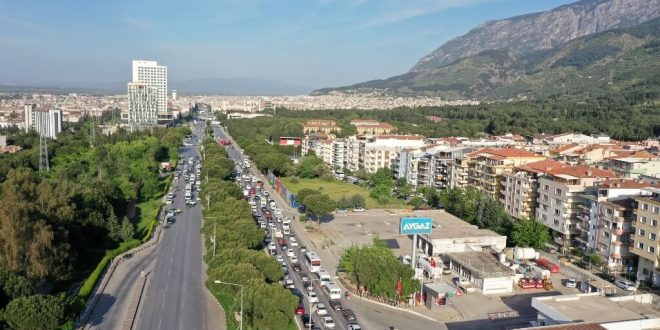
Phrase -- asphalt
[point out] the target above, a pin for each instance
(175, 296)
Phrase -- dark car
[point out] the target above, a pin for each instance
(348, 314)
(306, 320)
(296, 267)
(336, 305)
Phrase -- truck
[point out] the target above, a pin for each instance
(431, 266)
(544, 263)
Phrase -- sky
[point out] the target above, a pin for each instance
(310, 43)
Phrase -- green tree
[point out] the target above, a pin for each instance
(383, 176)
(35, 312)
(343, 202)
(381, 191)
(114, 228)
(319, 205)
(127, 230)
(304, 193)
(530, 233)
(358, 200)
(307, 168)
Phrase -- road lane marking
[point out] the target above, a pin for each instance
(160, 322)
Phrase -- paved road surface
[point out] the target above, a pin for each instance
(175, 296)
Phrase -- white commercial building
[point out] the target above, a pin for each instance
(154, 75)
(142, 105)
(379, 151)
(46, 122)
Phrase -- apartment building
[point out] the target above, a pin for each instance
(338, 162)
(487, 167)
(310, 141)
(560, 192)
(634, 164)
(379, 151)
(566, 138)
(405, 164)
(442, 165)
(644, 240)
(155, 76)
(321, 125)
(46, 122)
(355, 151)
(142, 105)
(589, 154)
(606, 221)
(520, 187)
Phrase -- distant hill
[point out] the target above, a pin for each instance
(543, 30)
(615, 60)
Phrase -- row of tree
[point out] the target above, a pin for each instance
(54, 226)
(237, 255)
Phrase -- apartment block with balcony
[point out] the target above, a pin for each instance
(380, 151)
(487, 167)
(520, 187)
(634, 164)
(338, 154)
(442, 164)
(607, 221)
(560, 195)
(644, 241)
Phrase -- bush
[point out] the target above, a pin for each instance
(303, 218)
(294, 179)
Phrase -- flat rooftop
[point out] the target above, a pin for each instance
(595, 308)
(484, 264)
(446, 226)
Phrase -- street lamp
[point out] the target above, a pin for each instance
(238, 285)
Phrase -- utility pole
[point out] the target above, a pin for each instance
(43, 154)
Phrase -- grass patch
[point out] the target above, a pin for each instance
(226, 301)
(147, 217)
(335, 189)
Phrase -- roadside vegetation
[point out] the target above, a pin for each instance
(59, 229)
(238, 256)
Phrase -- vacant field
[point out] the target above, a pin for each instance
(336, 189)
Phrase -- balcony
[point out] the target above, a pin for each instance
(582, 239)
(617, 231)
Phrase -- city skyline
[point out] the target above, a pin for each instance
(310, 44)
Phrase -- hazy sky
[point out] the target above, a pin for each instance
(313, 43)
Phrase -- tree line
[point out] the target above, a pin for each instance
(239, 256)
(55, 226)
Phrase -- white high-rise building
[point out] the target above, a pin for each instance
(155, 76)
(46, 122)
(142, 105)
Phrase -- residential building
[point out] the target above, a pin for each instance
(566, 138)
(338, 162)
(379, 151)
(606, 218)
(644, 240)
(487, 167)
(520, 187)
(633, 164)
(584, 154)
(355, 152)
(442, 165)
(405, 164)
(46, 122)
(560, 192)
(321, 125)
(310, 141)
(142, 105)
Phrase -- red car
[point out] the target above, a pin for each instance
(300, 310)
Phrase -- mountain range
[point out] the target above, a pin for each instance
(590, 46)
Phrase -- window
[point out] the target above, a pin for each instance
(645, 271)
(546, 187)
(654, 223)
(557, 212)
(556, 222)
(651, 249)
(544, 217)
(644, 206)
(642, 219)
(610, 211)
(652, 236)
(641, 232)
(557, 191)
(640, 245)
(545, 198)
(656, 209)
(558, 201)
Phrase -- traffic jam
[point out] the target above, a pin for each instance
(304, 275)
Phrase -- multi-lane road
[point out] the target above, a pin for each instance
(174, 295)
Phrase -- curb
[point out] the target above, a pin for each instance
(129, 321)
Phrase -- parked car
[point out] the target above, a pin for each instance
(354, 326)
(300, 310)
(358, 209)
(290, 253)
(571, 283)
(342, 210)
(625, 285)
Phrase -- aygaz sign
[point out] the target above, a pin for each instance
(410, 226)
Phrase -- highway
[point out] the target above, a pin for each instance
(175, 296)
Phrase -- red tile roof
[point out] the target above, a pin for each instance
(583, 171)
(542, 166)
(563, 148)
(503, 153)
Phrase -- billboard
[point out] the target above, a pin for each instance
(410, 226)
(290, 141)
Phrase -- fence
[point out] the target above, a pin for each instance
(281, 189)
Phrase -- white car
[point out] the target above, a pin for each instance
(625, 285)
(286, 221)
(262, 224)
(272, 246)
(289, 284)
(358, 209)
(294, 260)
(279, 258)
(290, 253)
(285, 226)
(287, 231)
(571, 283)
(328, 322)
(354, 326)
(321, 310)
(293, 241)
(312, 297)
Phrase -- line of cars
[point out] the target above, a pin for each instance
(281, 242)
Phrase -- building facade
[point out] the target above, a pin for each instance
(644, 240)
(520, 187)
(154, 76)
(46, 122)
(142, 105)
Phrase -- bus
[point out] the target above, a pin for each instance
(324, 276)
(332, 290)
(312, 261)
